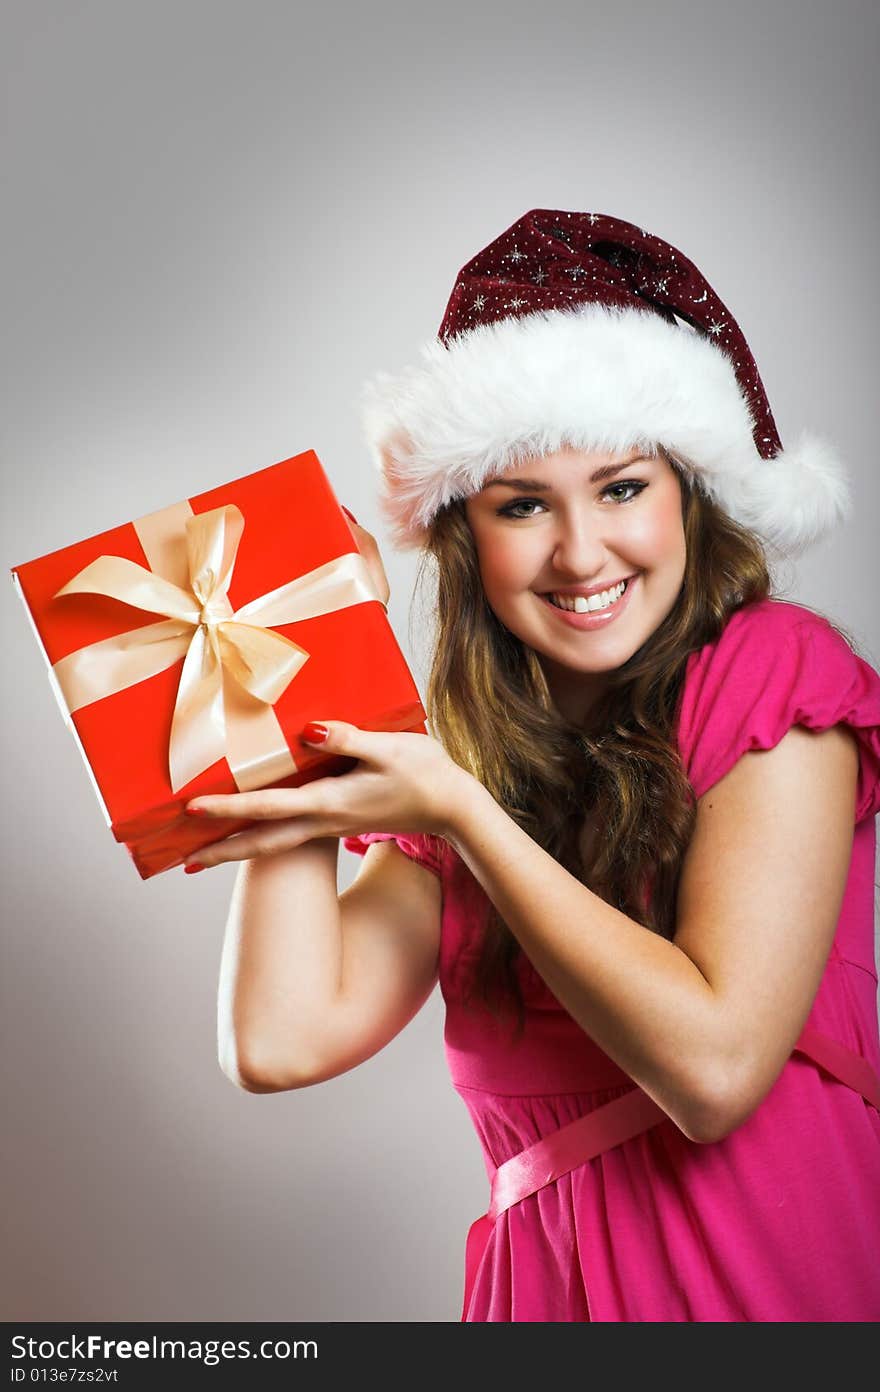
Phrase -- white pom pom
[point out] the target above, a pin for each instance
(796, 498)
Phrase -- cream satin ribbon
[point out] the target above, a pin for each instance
(234, 666)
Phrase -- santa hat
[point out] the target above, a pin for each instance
(581, 330)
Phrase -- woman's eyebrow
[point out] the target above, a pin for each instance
(607, 471)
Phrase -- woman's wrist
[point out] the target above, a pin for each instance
(467, 803)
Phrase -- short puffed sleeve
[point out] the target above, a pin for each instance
(775, 665)
(418, 847)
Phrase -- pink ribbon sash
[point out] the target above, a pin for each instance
(612, 1124)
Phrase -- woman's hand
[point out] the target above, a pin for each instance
(402, 782)
(370, 551)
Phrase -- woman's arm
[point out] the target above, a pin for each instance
(704, 1023)
(281, 964)
(312, 984)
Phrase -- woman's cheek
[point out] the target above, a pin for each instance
(503, 561)
(656, 530)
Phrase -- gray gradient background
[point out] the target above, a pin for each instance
(219, 220)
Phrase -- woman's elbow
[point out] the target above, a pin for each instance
(708, 1129)
(717, 1117)
(249, 1082)
(714, 1111)
(249, 1071)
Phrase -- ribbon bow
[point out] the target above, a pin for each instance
(234, 669)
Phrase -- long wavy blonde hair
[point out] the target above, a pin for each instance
(488, 703)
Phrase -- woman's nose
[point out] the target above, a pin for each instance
(581, 547)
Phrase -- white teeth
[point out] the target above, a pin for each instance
(580, 605)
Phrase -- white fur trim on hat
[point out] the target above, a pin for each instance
(595, 377)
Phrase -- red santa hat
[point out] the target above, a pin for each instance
(583, 330)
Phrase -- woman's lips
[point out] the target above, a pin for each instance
(598, 618)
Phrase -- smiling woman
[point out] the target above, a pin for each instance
(586, 537)
(637, 850)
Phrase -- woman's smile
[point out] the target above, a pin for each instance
(581, 617)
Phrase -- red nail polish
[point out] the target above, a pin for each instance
(314, 733)
(349, 514)
(195, 811)
(192, 869)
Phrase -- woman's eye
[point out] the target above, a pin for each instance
(508, 509)
(626, 483)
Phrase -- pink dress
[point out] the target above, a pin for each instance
(780, 1220)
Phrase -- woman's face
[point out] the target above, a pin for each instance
(553, 526)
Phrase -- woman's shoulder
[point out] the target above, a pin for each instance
(766, 637)
(776, 664)
(767, 621)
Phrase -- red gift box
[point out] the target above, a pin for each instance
(190, 647)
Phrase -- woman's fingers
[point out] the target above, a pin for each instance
(371, 555)
(399, 779)
(315, 799)
(369, 549)
(264, 805)
(253, 844)
(319, 798)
